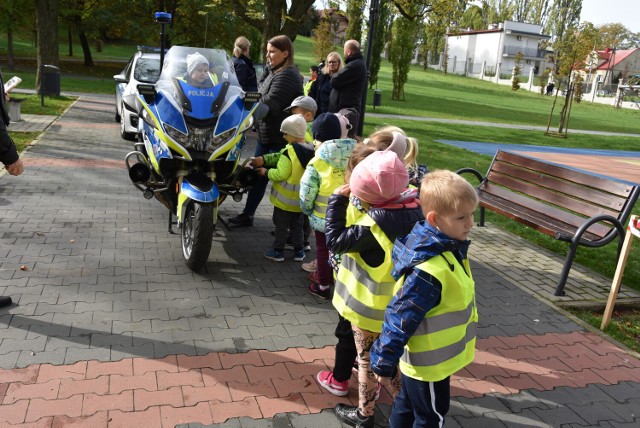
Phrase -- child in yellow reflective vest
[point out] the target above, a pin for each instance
(364, 285)
(429, 329)
(284, 169)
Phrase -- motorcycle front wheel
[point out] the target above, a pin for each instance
(197, 234)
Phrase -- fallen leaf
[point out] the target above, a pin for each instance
(71, 241)
(24, 267)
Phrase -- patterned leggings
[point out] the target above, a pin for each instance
(367, 383)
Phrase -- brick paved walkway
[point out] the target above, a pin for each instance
(111, 329)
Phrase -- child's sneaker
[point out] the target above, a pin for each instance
(298, 255)
(315, 289)
(326, 380)
(306, 246)
(313, 276)
(312, 266)
(275, 255)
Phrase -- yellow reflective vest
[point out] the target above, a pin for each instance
(330, 179)
(445, 339)
(362, 292)
(286, 194)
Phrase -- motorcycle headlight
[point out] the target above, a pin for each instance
(200, 139)
(246, 125)
(219, 140)
(148, 118)
(181, 138)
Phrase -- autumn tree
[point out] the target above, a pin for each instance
(617, 35)
(571, 53)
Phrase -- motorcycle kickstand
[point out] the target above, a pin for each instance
(224, 223)
(171, 223)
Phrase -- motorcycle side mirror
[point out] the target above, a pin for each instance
(250, 98)
(260, 112)
(147, 91)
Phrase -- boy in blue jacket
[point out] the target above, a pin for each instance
(429, 328)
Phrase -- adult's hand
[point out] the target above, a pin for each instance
(15, 168)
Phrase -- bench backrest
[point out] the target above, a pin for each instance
(566, 196)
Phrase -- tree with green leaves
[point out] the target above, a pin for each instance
(322, 40)
(618, 36)
(531, 11)
(355, 14)
(517, 69)
(14, 15)
(401, 48)
(571, 52)
(270, 17)
(473, 18)
(380, 39)
(442, 18)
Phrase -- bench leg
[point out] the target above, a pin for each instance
(481, 223)
(565, 269)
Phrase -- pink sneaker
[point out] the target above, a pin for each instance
(326, 380)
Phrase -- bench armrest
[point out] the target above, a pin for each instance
(480, 178)
(472, 171)
(576, 238)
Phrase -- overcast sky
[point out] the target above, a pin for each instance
(600, 12)
(597, 12)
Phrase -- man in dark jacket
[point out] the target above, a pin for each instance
(8, 152)
(350, 83)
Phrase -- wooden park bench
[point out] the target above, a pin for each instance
(572, 206)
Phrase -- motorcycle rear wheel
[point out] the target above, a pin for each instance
(197, 234)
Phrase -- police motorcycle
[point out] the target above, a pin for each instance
(191, 139)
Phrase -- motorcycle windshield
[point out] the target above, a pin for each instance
(199, 101)
(181, 62)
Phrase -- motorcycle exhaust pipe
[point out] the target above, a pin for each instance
(139, 173)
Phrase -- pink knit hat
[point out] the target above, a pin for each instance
(379, 178)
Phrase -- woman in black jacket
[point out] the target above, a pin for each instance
(323, 82)
(243, 65)
(280, 85)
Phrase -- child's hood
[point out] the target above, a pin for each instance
(336, 152)
(423, 243)
(304, 151)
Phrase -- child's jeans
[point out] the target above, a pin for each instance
(287, 222)
(367, 383)
(420, 404)
(325, 273)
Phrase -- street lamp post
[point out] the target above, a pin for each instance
(162, 18)
(373, 19)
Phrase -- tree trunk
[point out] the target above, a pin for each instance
(10, 61)
(70, 41)
(272, 21)
(47, 36)
(86, 49)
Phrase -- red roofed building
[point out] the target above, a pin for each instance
(611, 65)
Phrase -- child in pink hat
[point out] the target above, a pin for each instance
(364, 285)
